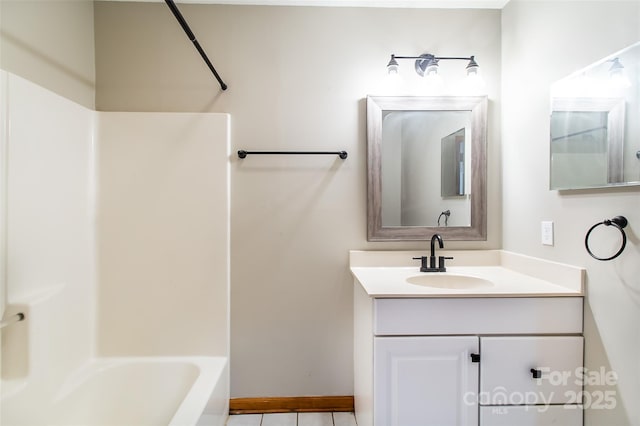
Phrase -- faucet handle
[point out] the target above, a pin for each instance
(441, 260)
(423, 263)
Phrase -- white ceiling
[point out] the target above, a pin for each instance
(455, 4)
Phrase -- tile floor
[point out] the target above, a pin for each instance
(293, 419)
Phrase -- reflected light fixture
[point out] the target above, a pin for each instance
(617, 74)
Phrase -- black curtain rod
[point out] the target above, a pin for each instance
(192, 37)
(581, 132)
(342, 154)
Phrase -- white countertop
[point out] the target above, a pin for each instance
(384, 274)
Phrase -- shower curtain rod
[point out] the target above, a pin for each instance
(192, 37)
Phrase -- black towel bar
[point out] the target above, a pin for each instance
(342, 154)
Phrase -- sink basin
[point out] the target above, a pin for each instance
(452, 281)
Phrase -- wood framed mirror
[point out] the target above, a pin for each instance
(416, 147)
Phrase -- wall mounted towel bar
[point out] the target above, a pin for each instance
(187, 30)
(12, 319)
(342, 154)
(619, 222)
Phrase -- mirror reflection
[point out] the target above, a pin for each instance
(423, 168)
(595, 138)
(426, 167)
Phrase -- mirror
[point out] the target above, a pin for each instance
(594, 138)
(426, 167)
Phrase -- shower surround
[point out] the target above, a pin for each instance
(116, 236)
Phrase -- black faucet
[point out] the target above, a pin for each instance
(432, 257)
(431, 266)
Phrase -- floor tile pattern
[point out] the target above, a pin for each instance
(293, 419)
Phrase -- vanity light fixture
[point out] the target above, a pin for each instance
(427, 64)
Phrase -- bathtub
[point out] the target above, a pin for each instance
(129, 391)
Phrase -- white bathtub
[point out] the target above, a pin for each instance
(130, 391)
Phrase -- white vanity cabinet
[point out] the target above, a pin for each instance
(406, 371)
(467, 361)
(530, 380)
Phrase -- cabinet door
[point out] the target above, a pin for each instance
(553, 415)
(425, 381)
(507, 363)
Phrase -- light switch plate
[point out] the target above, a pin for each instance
(547, 232)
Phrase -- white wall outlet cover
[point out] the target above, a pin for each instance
(547, 233)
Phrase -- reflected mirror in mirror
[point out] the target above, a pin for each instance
(452, 164)
(594, 137)
(426, 167)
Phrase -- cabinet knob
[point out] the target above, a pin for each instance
(536, 374)
(475, 357)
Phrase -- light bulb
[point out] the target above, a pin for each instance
(432, 68)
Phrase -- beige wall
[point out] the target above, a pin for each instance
(50, 42)
(542, 42)
(297, 80)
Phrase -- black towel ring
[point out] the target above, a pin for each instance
(619, 222)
